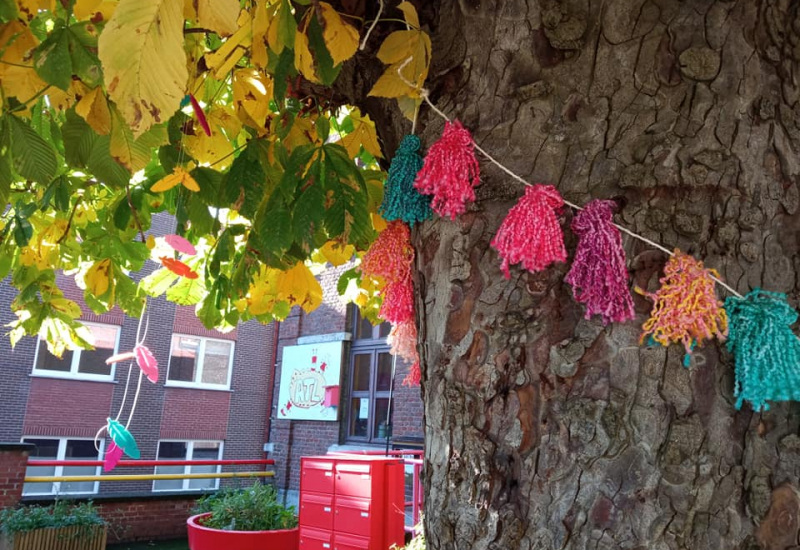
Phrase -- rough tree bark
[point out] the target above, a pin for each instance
(544, 430)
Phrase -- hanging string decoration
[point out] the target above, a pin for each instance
(113, 456)
(390, 258)
(122, 438)
(144, 359)
(450, 171)
(685, 308)
(401, 200)
(530, 234)
(599, 276)
(766, 351)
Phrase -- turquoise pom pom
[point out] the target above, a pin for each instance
(401, 200)
(766, 351)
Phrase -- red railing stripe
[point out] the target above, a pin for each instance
(150, 463)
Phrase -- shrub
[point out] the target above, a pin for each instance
(251, 509)
(58, 514)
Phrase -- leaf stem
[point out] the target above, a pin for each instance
(133, 211)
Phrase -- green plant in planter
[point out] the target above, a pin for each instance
(84, 516)
(253, 508)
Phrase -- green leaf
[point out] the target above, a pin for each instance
(85, 63)
(130, 297)
(246, 176)
(210, 182)
(23, 231)
(323, 128)
(327, 71)
(307, 215)
(122, 215)
(133, 153)
(208, 313)
(199, 215)
(6, 177)
(345, 278)
(52, 60)
(186, 292)
(8, 10)
(104, 167)
(158, 282)
(79, 140)
(33, 157)
(283, 71)
(274, 228)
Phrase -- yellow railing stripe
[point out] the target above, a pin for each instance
(145, 477)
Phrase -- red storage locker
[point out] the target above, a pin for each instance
(315, 539)
(395, 516)
(316, 475)
(356, 478)
(343, 541)
(316, 510)
(353, 515)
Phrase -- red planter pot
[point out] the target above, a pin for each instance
(204, 538)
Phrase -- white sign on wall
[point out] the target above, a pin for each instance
(305, 371)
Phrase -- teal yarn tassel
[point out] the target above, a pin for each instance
(766, 351)
(401, 200)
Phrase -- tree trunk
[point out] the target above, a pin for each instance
(544, 430)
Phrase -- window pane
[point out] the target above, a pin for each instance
(204, 451)
(80, 449)
(361, 368)
(183, 358)
(170, 450)
(381, 425)
(47, 361)
(385, 329)
(215, 362)
(359, 416)
(384, 381)
(46, 449)
(94, 361)
(78, 486)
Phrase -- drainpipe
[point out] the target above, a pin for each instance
(271, 387)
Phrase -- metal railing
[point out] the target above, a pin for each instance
(148, 464)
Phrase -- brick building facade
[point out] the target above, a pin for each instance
(192, 414)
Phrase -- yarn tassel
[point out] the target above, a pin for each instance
(530, 233)
(401, 200)
(403, 341)
(450, 171)
(414, 376)
(766, 351)
(685, 308)
(598, 275)
(390, 258)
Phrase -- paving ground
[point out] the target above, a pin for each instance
(180, 544)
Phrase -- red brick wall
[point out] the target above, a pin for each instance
(13, 459)
(147, 518)
(195, 414)
(73, 408)
(186, 322)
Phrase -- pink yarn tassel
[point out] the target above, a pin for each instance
(530, 234)
(450, 171)
(598, 276)
(390, 258)
(398, 302)
(403, 341)
(414, 376)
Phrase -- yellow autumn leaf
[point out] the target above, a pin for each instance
(340, 38)
(252, 92)
(144, 64)
(98, 277)
(408, 54)
(93, 108)
(378, 223)
(363, 134)
(151, 242)
(216, 149)
(67, 307)
(409, 13)
(218, 15)
(17, 75)
(225, 58)
(179, 176)
(303, 59)
(30, 8)
(61, 100)
(337, 253)
(130, 151)
(299, 287)
(89, 9)
(260, 28)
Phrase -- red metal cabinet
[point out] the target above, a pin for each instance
(367, 496)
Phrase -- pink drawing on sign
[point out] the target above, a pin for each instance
(180, 244)
(113, 457)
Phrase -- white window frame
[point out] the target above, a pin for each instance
(189, 456)
(198, 373)
(59, 470)
(73, 373)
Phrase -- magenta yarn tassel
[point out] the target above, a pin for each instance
(598, 276)
(450, 171)
(530, 233)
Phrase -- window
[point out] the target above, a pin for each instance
(62, 449)
(188, 450)
(82, 363)
(200, 362)
(370, 382)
